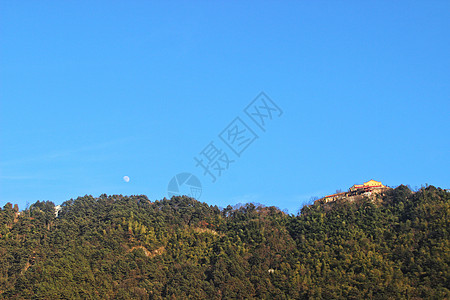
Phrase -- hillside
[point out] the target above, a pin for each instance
(117, 247)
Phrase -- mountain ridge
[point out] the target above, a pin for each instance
(127, 247)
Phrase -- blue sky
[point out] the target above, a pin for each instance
(93, 91)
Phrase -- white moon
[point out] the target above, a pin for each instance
(126, 178)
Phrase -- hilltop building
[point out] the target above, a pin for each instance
(357, 189)
(371, 184)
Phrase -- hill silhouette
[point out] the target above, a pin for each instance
(127, 247)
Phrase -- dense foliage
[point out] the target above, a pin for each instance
(116, 247)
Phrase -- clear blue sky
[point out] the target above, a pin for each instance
(92, 91)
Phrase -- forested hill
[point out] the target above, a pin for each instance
(117, 247)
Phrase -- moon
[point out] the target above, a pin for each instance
(126, 178)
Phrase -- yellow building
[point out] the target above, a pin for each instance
(367, 185)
